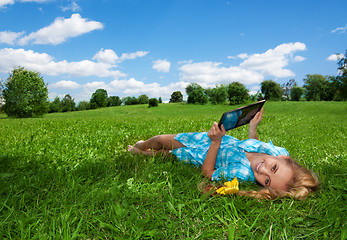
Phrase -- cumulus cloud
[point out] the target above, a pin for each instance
(335, 57)
(162, 65)
(8, 37)
(106, 56)
(45, 64)
(340, 29)
(212, 73)
(65, 85)
(62, 29)
(273, 61)
(252, 70)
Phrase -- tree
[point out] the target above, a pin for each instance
(143, 99)
(114, 101)
(55, 106)
(160, 100)
(99, 99)
(237, 93)
(296, 93)
(153, 102)
(25, 94)
(342, 79)
(68, 103)
(196, 94)
(176, 97)
(83, 105)
(271, 90)
(218, 94)
(315, 87)
(287, 87)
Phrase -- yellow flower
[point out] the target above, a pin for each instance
(229, 187)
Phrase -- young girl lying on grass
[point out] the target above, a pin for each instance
(225, 157)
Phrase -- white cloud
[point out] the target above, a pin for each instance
(72, 7)
(3, 3)
(243, 55)
(299, 59)
(340, 29)
(335, 57)
(126, 56)
(162, 65)
(62, 29)
(106, 56)
(9, 37)
(45, 64)
(65, 85)
(273, 61)
(212, 73)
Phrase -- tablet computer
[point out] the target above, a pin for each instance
(240, 116)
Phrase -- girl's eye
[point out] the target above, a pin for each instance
(267, 181)
(273, 168)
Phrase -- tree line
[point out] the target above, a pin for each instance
(26, 95)
(99, 99)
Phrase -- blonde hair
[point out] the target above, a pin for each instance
(303, 183)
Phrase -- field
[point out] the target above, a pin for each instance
(69, 176)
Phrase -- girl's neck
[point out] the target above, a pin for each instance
(252, 155)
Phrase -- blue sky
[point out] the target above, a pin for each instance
(156, 47)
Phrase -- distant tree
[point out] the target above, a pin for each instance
(257, 96)
(296, 93)
(134, 101)
(271, 90)
(25, 94)
(218, 94)
(83, 105)
(315, 87)
(237, 93)
(160, 100)
(342, 78)
(143, 99)
(68, 103)
(176, 97)
(114, 101)
(55, 106)
(127, 100)
(196, 94)
(287, 87)
(153, 102)
(99, 99)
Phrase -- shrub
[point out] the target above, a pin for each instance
(153, 102)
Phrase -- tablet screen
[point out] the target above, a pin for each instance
(240, 116)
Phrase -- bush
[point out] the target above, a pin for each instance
(25, 94)
(153, 102)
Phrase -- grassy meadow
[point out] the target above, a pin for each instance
(69, 176)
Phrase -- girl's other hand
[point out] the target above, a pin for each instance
(216, 134)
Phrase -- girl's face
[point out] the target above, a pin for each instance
(271, 171)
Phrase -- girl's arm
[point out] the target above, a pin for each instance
(254, 123)
(215, 134)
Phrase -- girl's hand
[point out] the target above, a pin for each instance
(256, 120)
(252, 133)
(215, 133)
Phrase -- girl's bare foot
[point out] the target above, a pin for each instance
(134, 150)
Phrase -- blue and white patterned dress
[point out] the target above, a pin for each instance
(231, 159)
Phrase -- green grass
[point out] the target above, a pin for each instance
(68, 176)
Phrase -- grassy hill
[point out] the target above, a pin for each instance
(68, 175)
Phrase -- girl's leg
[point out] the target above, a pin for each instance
(160, 142)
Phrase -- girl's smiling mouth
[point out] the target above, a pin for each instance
(257, 167)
